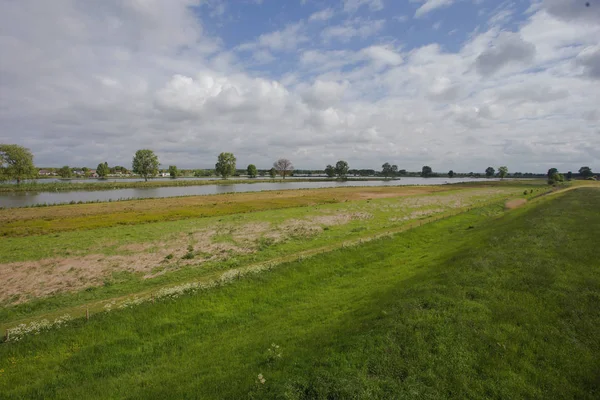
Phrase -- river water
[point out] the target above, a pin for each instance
(21, 199)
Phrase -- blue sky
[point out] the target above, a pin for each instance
(455, 84)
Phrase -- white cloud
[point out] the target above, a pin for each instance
(431, 5)
(286, 39)
(383, 55)
(322, 15)
(354, 5)
(507, 48)
(589, 59)
(323, 94)
(357, 27)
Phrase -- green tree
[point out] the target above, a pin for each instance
(490, 171)
(502, 171)
(330, 171)
(386, 170)
(145, 163)
(273, 173)
(569, 175)
(341, 169)
(450, 174)
(551, 172)
(102, 170)
(16, 162)
(65, 172)
(225, 165)
(283, 166)
(426, 171)
(252, 171)
(585, 172)
(394, 170)
(173, 172)
(555, 178)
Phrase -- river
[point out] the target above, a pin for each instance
(22, 199)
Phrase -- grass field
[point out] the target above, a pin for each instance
(484, 303)
(58, 270)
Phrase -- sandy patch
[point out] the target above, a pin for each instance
(516, 203)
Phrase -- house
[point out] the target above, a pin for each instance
(44, 172)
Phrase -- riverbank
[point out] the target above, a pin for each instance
(111, 185)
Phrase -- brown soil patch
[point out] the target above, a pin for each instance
(516, 203)
(133, 247)
(250, 232)
(41, 278)
(299, 227)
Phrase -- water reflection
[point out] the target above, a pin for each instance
(9, 200)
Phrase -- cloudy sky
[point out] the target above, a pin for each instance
(455, 84)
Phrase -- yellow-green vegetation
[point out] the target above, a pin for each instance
(45, 220)
(487, 303)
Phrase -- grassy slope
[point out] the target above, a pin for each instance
(510, 309)
(107, 241)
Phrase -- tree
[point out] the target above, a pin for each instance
(502, 171)
(252, 171)
(490, 171)
(555, 178)
(341, 169)
(273, 173)
(65, 172)
(386, 170)
(225, 165)
(394, 170)
(569, 175)
(145, 163)
(450, 174)
(330, 171)
(426, 171)
(283, 166)
(173, 172)
(551, 172)
(585, 172)
(16, 162)
(102, 170)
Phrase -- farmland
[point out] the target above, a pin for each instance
(455, 291)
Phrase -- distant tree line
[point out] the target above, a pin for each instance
(16, 163)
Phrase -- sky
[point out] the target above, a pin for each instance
(454, 84)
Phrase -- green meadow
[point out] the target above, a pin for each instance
(427, 295)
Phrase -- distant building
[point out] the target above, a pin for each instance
(44, 172)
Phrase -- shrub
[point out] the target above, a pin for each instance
(188, 256)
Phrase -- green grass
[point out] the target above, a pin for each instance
(467, 307)
(382, 215)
